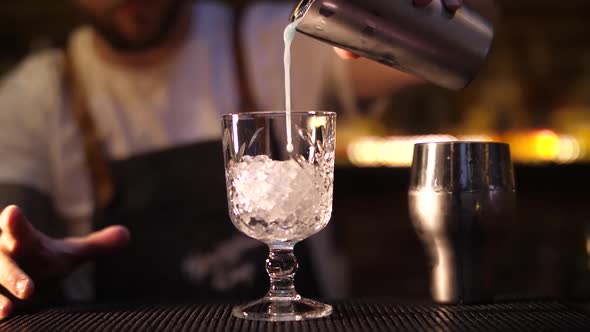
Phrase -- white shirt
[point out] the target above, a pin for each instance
(138, 111)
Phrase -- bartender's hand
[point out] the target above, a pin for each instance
(26, 254)
(451, 5)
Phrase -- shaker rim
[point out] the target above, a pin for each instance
(451, 143)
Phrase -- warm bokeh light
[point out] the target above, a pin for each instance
(541, 146)
(546, 145)
(568, 150)
(395, 151)
(533, 146)
(478, 138)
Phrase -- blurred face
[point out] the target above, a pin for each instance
(132, 25)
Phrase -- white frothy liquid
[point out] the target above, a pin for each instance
(288, 37)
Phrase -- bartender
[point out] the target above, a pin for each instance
(111, 149)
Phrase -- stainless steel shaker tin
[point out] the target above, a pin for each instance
(443, 48)
(462, 201)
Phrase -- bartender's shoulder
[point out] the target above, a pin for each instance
(36, 73)
(41, 65)
(36, 79)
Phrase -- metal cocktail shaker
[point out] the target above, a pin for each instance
(462, 204)
(443, 48)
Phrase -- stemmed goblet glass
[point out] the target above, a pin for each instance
(280, 197)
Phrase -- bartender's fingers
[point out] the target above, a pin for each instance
(17, 231)
(5, 307)
(14, 279)
(105, 241)
(344, 54)
(453, 5)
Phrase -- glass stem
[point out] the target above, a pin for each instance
(281, 266)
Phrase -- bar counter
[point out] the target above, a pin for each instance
(385, 314)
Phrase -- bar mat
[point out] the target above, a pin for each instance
(347, 316)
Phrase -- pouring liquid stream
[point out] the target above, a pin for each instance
(288, 37)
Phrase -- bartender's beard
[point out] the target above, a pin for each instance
(122, 44)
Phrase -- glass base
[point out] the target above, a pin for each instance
(280, 309)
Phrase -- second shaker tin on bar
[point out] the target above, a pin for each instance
(462, 200)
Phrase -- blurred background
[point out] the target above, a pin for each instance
(534, 93)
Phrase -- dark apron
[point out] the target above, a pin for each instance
(175, 206)
(183, 245)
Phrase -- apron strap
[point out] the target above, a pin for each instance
(247, 100)
(101, 178)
